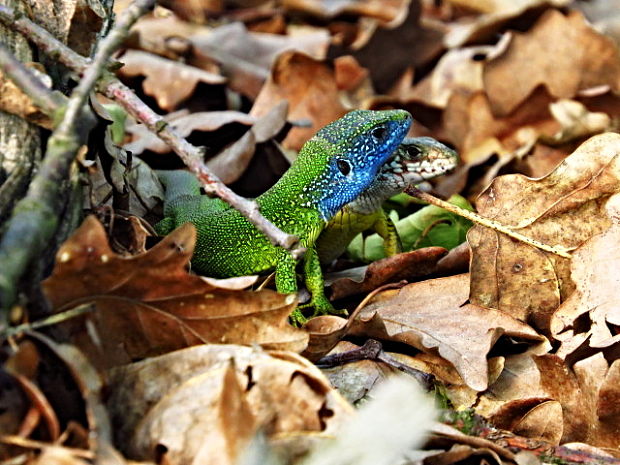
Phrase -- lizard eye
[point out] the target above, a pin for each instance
(344, 166)
(413, 151)
(379, 132)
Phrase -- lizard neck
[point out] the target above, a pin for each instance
(305, 185)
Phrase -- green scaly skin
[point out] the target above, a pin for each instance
(332, 169)
(416, 159)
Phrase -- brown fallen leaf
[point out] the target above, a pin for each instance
(169, 82)
(231, 163)
(543, 398)
(483, 28)
(469, 124)
(404, 42)
(587, 393)
(403, 266)
(563, 53)
(149, 304)
(565, 208)
(184, 123)
(458, 71)
(596, 274)
(431, 317)
(247, 57)
(203, 404)
(13, 100)
(384, 10)
(310, 88)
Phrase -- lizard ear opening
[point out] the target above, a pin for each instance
(344, 166)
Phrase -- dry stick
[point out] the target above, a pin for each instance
(557, 250)
(29, 84)
(35, 219)
(191, 155)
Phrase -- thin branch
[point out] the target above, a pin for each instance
(28, 82)
(486, 222)
(44, 41)
(35, 217)
(107, 47)
(191, 155)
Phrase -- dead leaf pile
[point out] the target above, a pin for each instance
(169, 367)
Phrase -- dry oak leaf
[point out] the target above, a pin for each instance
(470, 124)
(565, 208)
(595, 270)
(169, 82)
(431, 316)
(403, 266)
(383, 10)
(247, 57)
(563, 53)
(203, 404)
(542, 397)
(497, 13)
(149, 304)
(311, 90)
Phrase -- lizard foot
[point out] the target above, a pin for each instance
(297, 318)
(322, 306)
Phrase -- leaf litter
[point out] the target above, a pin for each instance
(527, 341)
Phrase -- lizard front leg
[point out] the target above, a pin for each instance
(316, 285)
(385, 227)
(286, 282)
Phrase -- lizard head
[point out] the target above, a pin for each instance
(418, 159)
(354, 147)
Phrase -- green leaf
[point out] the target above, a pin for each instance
(118, 117)
(429, 226)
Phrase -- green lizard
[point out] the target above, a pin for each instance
(332, 169)
(416, 160)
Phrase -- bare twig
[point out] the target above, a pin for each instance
(93, 72)
(557, 250)
(191, 155)
(35, 217)
(44, 41)
(30, 84)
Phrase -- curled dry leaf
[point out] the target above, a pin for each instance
(203, 404)
(565, 208)
(246, 57)
(563, 53)
(595, 270)
(403, 43)
(430, 316)
(542, 397)
(496, 14)
(150, 304)
(169, 82)
(310, 88)
(408, 266)
(231, 163)
(184, 124)
(13, 100)
(379, 9)
(458, 71)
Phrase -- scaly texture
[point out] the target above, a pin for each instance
(416, 160)
(332, 169)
